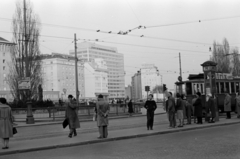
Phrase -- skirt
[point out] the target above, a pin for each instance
(179, 114)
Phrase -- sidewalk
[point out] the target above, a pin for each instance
(35, 144)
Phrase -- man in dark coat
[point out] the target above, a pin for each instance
(211, 107)
(151, 106)
(171, 111)
(198, 108)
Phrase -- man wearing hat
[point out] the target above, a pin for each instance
(228, 105)
(211, 108)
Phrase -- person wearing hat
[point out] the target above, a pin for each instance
(198, 108)
(227, 105)
(72, 116)
(179, 109)
(171, 110)
(211, 108)
(238, 105)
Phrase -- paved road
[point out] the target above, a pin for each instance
(219, 142)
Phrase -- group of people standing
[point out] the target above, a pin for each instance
(181, 109)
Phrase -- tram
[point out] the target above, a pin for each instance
(224, 83)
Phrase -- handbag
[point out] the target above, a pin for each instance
(14, 130)
(94, 116)
(65, 123)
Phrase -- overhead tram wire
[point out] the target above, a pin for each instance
(139, 27)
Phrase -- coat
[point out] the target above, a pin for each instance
(211, 107)
(227, 103)
(130, 107)
(198, 107)
(171, 105)
(238, 105)
(72, 116)
(184, 106)
(6, 121)
(102, 107)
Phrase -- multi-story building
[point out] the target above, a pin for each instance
(59, 75)
(96, 78)
(114, 61)
(136, 87)
(5, 58)
(149, 77)
(128, 92)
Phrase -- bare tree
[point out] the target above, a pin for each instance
(25, 64)
(235, 63)
(220, 56)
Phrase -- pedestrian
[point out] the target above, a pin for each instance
(198, 108)
(167, 94)
(171, 110)
(102, 116)
(151, 106)
(193, 108)
(72, 116)
(238, 105)
(184, 106)
(211, 108)
(227, 105)
(130, 107)
(6, 123)
(179, 110)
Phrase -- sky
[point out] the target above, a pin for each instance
(181, 26)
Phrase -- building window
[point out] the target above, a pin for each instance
(3, 61)
(3, 67)
(4, 54)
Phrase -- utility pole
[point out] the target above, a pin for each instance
(180, 67)
(76, 69)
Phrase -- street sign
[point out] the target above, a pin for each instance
(24, 83)
(147, 88)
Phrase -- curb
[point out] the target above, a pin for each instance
(116, 138)
(85, 120)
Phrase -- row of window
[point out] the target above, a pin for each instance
(5, 48)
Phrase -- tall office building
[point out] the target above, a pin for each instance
(114, 61)
(149, 77)
(136, 92)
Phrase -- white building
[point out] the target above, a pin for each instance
(96, 78)
(59, 75)
(149, 77)
(114, 61)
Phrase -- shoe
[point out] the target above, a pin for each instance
(99, 137)
(4, 147)
(75, 133)
(70, 135)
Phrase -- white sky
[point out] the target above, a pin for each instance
(116, 15)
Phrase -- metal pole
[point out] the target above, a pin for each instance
(76, 69)
(180, 67)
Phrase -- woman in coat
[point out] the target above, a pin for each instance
(6, 122)
(130, 108)
(179, 110)
(211, 107)
(72, 116)
(198, 108)
(238, 105)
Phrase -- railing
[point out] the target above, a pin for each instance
(58, 113)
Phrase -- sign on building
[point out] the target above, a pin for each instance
(24, 83)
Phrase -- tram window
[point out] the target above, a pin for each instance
(237, 87)
(227, 89)
(201, 88)
(189, 88)
(232, 87)
(222, 87)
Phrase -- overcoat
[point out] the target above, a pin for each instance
(211, 107)
(102, 108)
(198, 107)
(227, 103)
(6, 121)
(130, 107)
(238, 106)
(72, 116)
